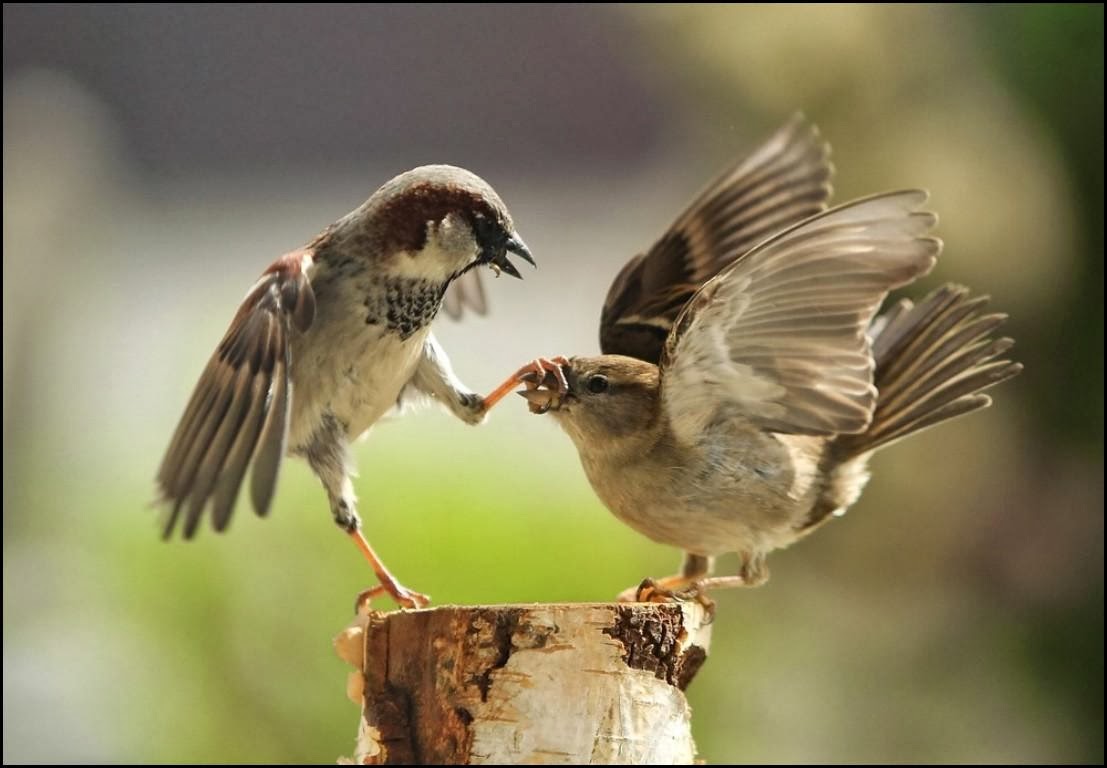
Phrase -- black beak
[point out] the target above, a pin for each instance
(514, 244)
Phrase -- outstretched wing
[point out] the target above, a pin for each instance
(784, 181)
(780, 335)
(239, 411)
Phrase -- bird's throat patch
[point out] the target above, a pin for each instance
(403, 305)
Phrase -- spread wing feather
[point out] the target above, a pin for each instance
(780, 335)
(784, 181)
(239, 411)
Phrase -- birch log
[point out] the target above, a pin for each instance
(567, 683)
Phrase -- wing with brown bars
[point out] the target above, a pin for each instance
(239, 411)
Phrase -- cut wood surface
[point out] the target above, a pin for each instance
(564, 683)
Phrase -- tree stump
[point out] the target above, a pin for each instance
(565, 683)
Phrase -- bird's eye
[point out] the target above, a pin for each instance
(597, 384)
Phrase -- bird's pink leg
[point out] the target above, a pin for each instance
(694, 580)
(534, 372)
(663, 590)
(403, 596)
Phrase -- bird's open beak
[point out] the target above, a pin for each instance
(549, 394)
(514, 244)
(541, 400)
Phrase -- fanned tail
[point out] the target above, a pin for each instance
(933, 362)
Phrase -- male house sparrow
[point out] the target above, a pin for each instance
(744, 384)
(330, 338)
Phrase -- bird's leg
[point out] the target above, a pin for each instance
(347, 519)
(681, 586)
(539, 371)
(404, 597)
(327, 455)
(695, 579)
(695, 583)
(753, 573)
(723, 582)
(435, 377)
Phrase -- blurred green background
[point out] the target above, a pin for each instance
(157, 158)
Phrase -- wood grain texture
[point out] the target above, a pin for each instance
(547, 684)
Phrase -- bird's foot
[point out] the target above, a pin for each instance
(671, 589)
(545, 382)
(404, 597)
(533, 374)
(546, 372)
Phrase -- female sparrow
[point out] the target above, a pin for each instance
(744, 382)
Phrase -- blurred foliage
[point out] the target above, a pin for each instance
(956, 614)
(1052, 57)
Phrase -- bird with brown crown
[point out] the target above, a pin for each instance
(744, 382)
(331, 338)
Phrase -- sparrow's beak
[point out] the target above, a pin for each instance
(549, 394)
(513, 244)
(541, 400)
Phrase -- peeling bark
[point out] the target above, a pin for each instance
(585, 684)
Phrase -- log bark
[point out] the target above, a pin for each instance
(566, 683)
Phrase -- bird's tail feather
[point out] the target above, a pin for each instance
(933, 359)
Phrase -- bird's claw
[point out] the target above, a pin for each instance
(404, 597)
(548, 373)
(545, 372)
(654, 591)
(407, 598)
(365, 597)
(534, 374)
(650, 591)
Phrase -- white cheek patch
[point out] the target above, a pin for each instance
(450, 246)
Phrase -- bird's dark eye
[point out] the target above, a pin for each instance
(597, 384)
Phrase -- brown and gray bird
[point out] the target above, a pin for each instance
(744, 382)
(331, 338)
